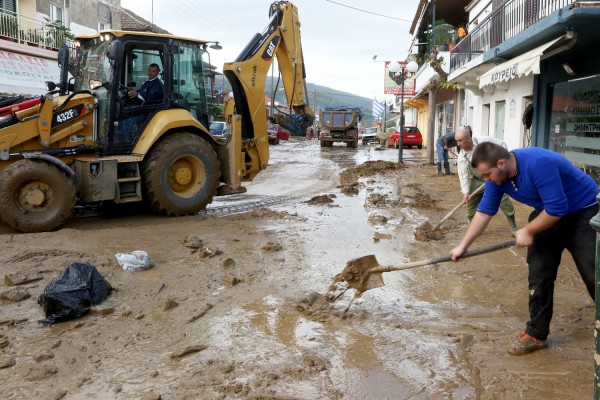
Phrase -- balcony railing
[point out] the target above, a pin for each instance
(505, 22)
(30, 31)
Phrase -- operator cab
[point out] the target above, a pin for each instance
(121, 61)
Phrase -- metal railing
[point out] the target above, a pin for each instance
(30, 31)
(505, 22)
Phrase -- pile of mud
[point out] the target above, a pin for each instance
(349, 177)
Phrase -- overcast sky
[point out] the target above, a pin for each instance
(339, 38)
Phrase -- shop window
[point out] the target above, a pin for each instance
(575, 123)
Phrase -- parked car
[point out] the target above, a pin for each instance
(276, 133)
(411, 137)
(219, 130)
(369, 135)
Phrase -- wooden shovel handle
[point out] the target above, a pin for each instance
(459, 205)
(437, 260)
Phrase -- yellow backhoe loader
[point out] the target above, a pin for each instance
(90, 141)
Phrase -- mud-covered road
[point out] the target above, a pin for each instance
(233, 306)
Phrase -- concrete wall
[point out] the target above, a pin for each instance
(82, 16)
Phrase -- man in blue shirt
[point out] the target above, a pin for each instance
(564, 202)
(151, 90)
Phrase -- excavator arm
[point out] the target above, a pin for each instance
(246, 112)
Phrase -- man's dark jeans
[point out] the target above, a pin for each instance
(574, 233)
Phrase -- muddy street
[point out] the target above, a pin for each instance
(236, 305)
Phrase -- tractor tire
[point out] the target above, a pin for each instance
(323, 143)
(36, 196)
(181, 175)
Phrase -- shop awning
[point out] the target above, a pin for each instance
(517, 67)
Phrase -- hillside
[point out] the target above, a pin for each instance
(320, 97)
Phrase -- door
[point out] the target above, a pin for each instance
(500, 111)
(134, 112)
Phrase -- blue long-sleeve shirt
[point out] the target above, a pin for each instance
(546, 181)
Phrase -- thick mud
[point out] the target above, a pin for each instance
(239, 305)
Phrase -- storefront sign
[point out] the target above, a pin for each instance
(25, 74)
(504, 74)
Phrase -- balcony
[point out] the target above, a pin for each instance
(504, 23)
(20, 29)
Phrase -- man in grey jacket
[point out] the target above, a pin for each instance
(470, 179)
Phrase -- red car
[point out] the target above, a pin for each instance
(276, 133)
(411, 137)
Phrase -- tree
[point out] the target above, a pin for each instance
(436, 63)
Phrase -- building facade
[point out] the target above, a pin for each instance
(530, 76)
(32, 31)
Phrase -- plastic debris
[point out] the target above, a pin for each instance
(72, 294)
(137, 260)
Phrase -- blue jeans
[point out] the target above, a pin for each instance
(574, 233)
(442, 153)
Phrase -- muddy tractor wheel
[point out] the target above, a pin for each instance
(181, 175)
(36, 196)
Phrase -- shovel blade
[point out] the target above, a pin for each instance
(358, 275)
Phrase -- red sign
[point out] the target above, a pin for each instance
(392, 81)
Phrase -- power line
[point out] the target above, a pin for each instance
(368, 12)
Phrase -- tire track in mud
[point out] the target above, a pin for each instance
(244, 205)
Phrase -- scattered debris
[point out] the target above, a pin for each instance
(19, 278)
(209, 252)
(43, 356)
(138, 260)
(15, 295)
(193, 242)
(189, 350)
(201, 314)
(72, 294)
(378, 220)
(102, 310)
(322, 199)
(272, 246)
(230, 280)
(170, 304)
(228, 263)
(7, 361)
(378, 236)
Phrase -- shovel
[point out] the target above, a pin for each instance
(365, 273)
(426, 231)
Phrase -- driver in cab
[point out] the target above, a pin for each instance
(151, 90)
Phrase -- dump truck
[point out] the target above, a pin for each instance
(89, 141)
(339, 124)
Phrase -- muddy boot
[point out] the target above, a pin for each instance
(512, 223)
(439, 168)
(447, 168)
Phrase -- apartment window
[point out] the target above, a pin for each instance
(56, 13)
(103, 26)
(8, 6)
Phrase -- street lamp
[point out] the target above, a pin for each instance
(406, 71)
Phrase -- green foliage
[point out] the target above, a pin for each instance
(57, 34)
(216, 111)
(448, 85)
(444, 33)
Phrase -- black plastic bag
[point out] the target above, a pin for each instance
(72, 294)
